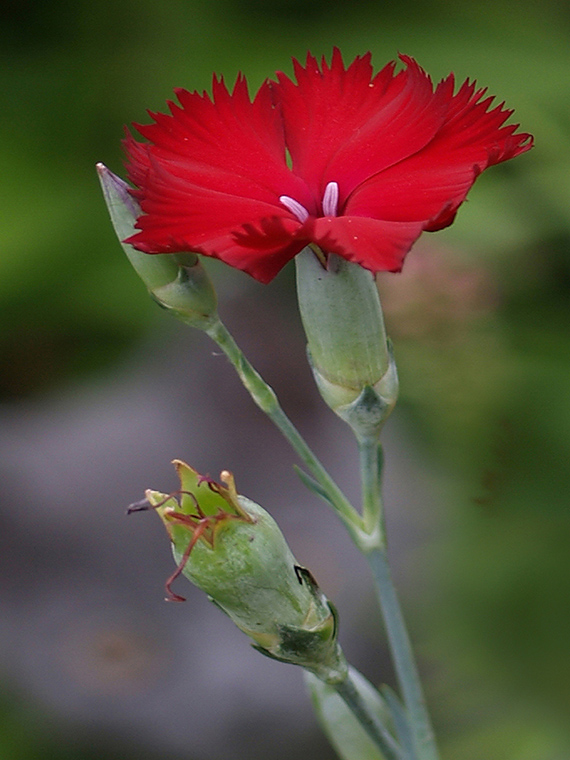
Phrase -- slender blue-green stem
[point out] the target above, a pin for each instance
(370, 474)
(265, 398)
(400, 646)
(375, 730)
(403, 658)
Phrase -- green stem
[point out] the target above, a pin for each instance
(403, 657)
(370, 472)
(401, 649)
(265, 398)
(369, 722)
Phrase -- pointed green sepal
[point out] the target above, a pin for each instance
(178, 282)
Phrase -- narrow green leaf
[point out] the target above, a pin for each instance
(312, 484)
(401, 721)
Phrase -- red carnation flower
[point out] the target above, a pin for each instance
(374, 161)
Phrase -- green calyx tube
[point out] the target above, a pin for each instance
(347, 346)
(234, 551)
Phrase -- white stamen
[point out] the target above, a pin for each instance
(330, 199)
(295, 207)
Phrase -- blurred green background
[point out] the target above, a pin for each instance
(480, 318)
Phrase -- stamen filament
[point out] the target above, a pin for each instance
(295, 207)
(330, 199)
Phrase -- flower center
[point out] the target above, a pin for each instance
(330, 203)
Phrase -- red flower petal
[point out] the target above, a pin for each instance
(214, 177)
(343, 125)
(210, 167)
(260, 250)
(376, 245)
(431, 184)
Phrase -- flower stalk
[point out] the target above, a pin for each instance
(371, 460)
(403, 657)
(422, 734)
(266, 399)
(350, 694)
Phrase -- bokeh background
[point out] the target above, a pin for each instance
(100, 389)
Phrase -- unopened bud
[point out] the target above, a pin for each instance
(178, 282)
(232, 549)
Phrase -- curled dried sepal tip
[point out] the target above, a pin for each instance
(139, 506)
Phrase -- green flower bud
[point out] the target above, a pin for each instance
(232, 549)
(347, 346)
(177, 282)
